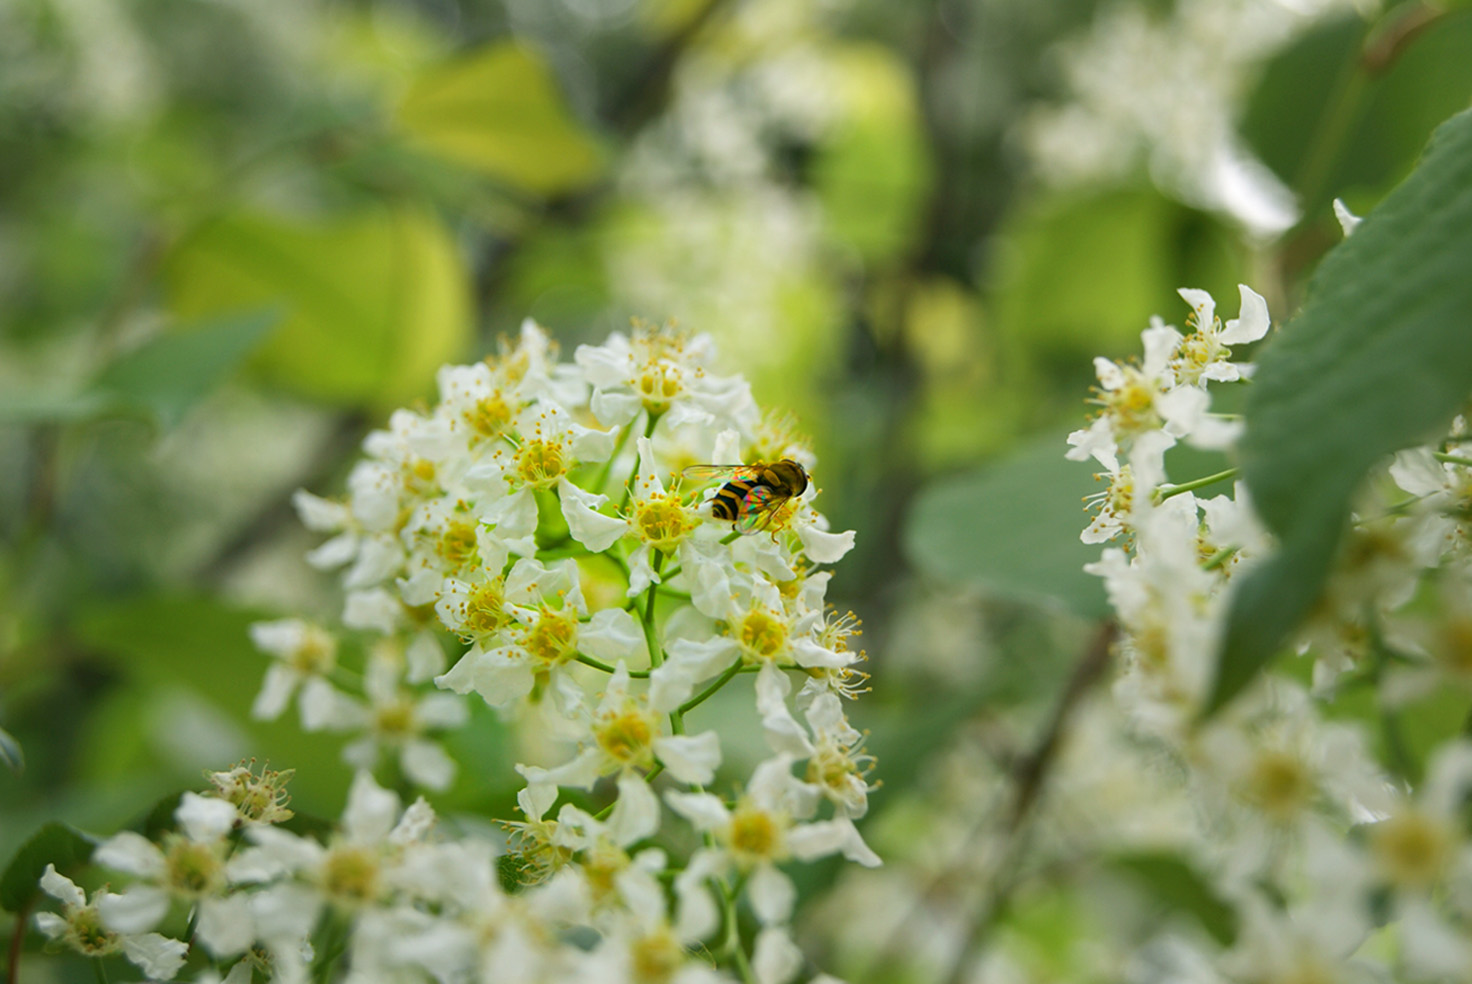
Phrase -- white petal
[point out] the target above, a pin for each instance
(285, 913)
(371, 810)
(690, 758)
(414, 826)
(62, 888)
(225, 925)
(783, 732)
(425, 657)
(136, 910)
(772, 894)
(318, 514)
(325, 708)
(374, 609)
(205, 818)
(581, 772)
(276, 690)
(611, 635)
(1251, 324)
(705, 811)
(585, 524)
(334, 553)
(824, 548)
(776, 959)
(1347, 219)
(51, 924)
(157, 956)
(426, 764)
(131, 853)
(592, 445)
(615, 409)
(635, 813)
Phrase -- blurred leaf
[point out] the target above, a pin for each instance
(203, 645)
(1176, 884)
(39, 408)
(1084, 273)
(498, 111)
(374, 302)
(871, 174)
(169, 374)
(1378, 359)
(55, 843)
(1321, 83)
(1013, 528)
(11, 753)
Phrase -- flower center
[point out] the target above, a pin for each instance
(1279, 784)
(753, 835)
(485, 611)
(194, 869)
(553, 640)
(350, 874)
(540, 463)
(1412, 848)
(457, 544)
(395, 718)
(662, 521)
(658, 385)
(655, 958)
(627, 735)
(1455, 649)
(762, 636)
(1133, 404)
(490, 416)
(86, 933)
(317, 653)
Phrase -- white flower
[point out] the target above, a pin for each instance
(189, 866)
(303, 653)
(399, 720)
(80, 927)
(761, 831)
(1203, 355)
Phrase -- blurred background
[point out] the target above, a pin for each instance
(234, 234)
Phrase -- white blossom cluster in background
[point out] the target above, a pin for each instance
(1323, 812)
(536, 514)
(1166, 91)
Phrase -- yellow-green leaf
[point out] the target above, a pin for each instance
(498, 111)
(373, 302)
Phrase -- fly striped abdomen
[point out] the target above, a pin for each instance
(726, 505)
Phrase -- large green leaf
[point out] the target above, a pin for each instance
(498, 111)
(204, 647)
(171, 373)
(55, 843)
(373, 303)
(1378, 359)
(1331, 124)
(1174, 882)
(1013, 528)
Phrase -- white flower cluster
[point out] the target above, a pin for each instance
(1311, 838)
(1314, 829)
(536, 515)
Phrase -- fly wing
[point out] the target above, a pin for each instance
(704, 472)
(757, 508)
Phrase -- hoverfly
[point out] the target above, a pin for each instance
(754, 493)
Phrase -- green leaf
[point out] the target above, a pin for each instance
(1012, 527)
(1174, 882)
(55, 843)
(872, 172)
(203, 646)
(1378, 359)
(171, 373)
(1331, 129)
(52, 408)
(374, 302)
(498, 111)
(11, 753)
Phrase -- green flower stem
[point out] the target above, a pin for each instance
(598, 664)
(672, 573)
(656, 654)
(634, 472)
(1451, 459)
(708, 692)
(601, 484)
(99, 970)
(1166, 491)
(731, 537)
(732, 946)
(1219, 558)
